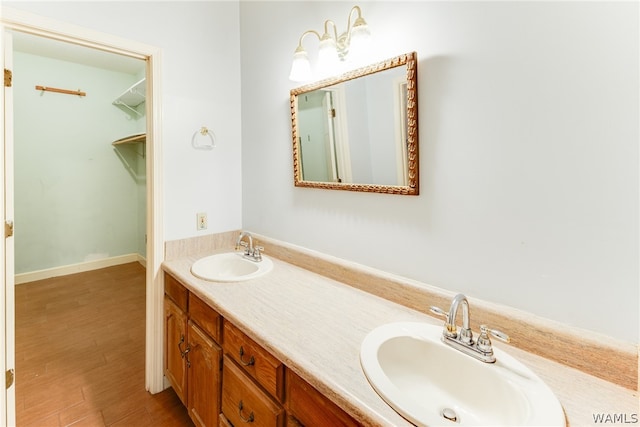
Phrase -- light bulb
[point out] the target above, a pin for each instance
(300, 68)
(359, 44)
(327, 57)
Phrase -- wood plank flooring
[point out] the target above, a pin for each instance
(80, 345)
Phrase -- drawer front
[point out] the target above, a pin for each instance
(205, 317)
(256, 361)
(308, 407)
(243, 402)
(176, 291)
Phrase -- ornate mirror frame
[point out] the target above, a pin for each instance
(412, 187)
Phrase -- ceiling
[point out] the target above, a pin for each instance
(42, 46)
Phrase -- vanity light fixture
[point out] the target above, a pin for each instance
(333, 48)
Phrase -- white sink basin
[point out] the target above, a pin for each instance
(230, 267)
(423, 380)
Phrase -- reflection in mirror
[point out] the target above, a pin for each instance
(359, 131)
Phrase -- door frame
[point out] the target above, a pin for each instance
(7, 292)
(341, 148)
(16, 20)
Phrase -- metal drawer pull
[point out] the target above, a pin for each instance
(188, 349)
(251, 361)
(183, 354)
(246, 420)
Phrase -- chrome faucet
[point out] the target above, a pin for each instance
(250, 252)
(466, 336)
(463, 341)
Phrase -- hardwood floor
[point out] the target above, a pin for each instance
(80, 345)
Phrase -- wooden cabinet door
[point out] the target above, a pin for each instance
(204, 362)
(175, 343)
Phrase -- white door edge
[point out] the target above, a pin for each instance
(7, 295)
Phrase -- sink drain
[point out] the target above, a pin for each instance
(449, 414)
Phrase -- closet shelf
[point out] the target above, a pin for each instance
(132, 97)
(131, 139)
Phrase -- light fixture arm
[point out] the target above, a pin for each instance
(330, 45)
(300, 48)
(349, 26)
(326, 29)
(343, 40)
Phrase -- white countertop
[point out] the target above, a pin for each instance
(315, 325)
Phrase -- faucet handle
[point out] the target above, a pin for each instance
(484, 329)
(484, 342)
(245, 245)
(438, 311)
(450, 330)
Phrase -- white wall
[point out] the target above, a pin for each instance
(200, 86)
(528, 116)
(528, 142)
(75, 201)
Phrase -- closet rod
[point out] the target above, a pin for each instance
(65, 91)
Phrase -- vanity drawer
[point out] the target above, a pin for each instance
(244, 402)
(308, 407)
(256, 361)
(205, 317)
(176, 291)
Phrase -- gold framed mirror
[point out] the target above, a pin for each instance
(359, 131)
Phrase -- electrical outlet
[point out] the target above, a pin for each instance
(201, 223)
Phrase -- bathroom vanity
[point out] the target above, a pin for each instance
(283, 349)
(223, 376)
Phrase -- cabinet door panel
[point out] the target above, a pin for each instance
(204, 378)
(175, 366)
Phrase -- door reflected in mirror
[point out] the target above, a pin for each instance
(359, 131)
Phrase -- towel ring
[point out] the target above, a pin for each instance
(203, 146)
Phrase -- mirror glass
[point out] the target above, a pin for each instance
(359, 131)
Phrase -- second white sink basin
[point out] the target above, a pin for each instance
(230, 267)
(430, 383)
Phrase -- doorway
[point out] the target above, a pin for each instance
(79, 175)
(325, 143)
(34, 25)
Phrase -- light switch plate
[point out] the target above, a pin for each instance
(201, 219)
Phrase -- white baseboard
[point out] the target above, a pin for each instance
(78, 268)
(142, 260)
